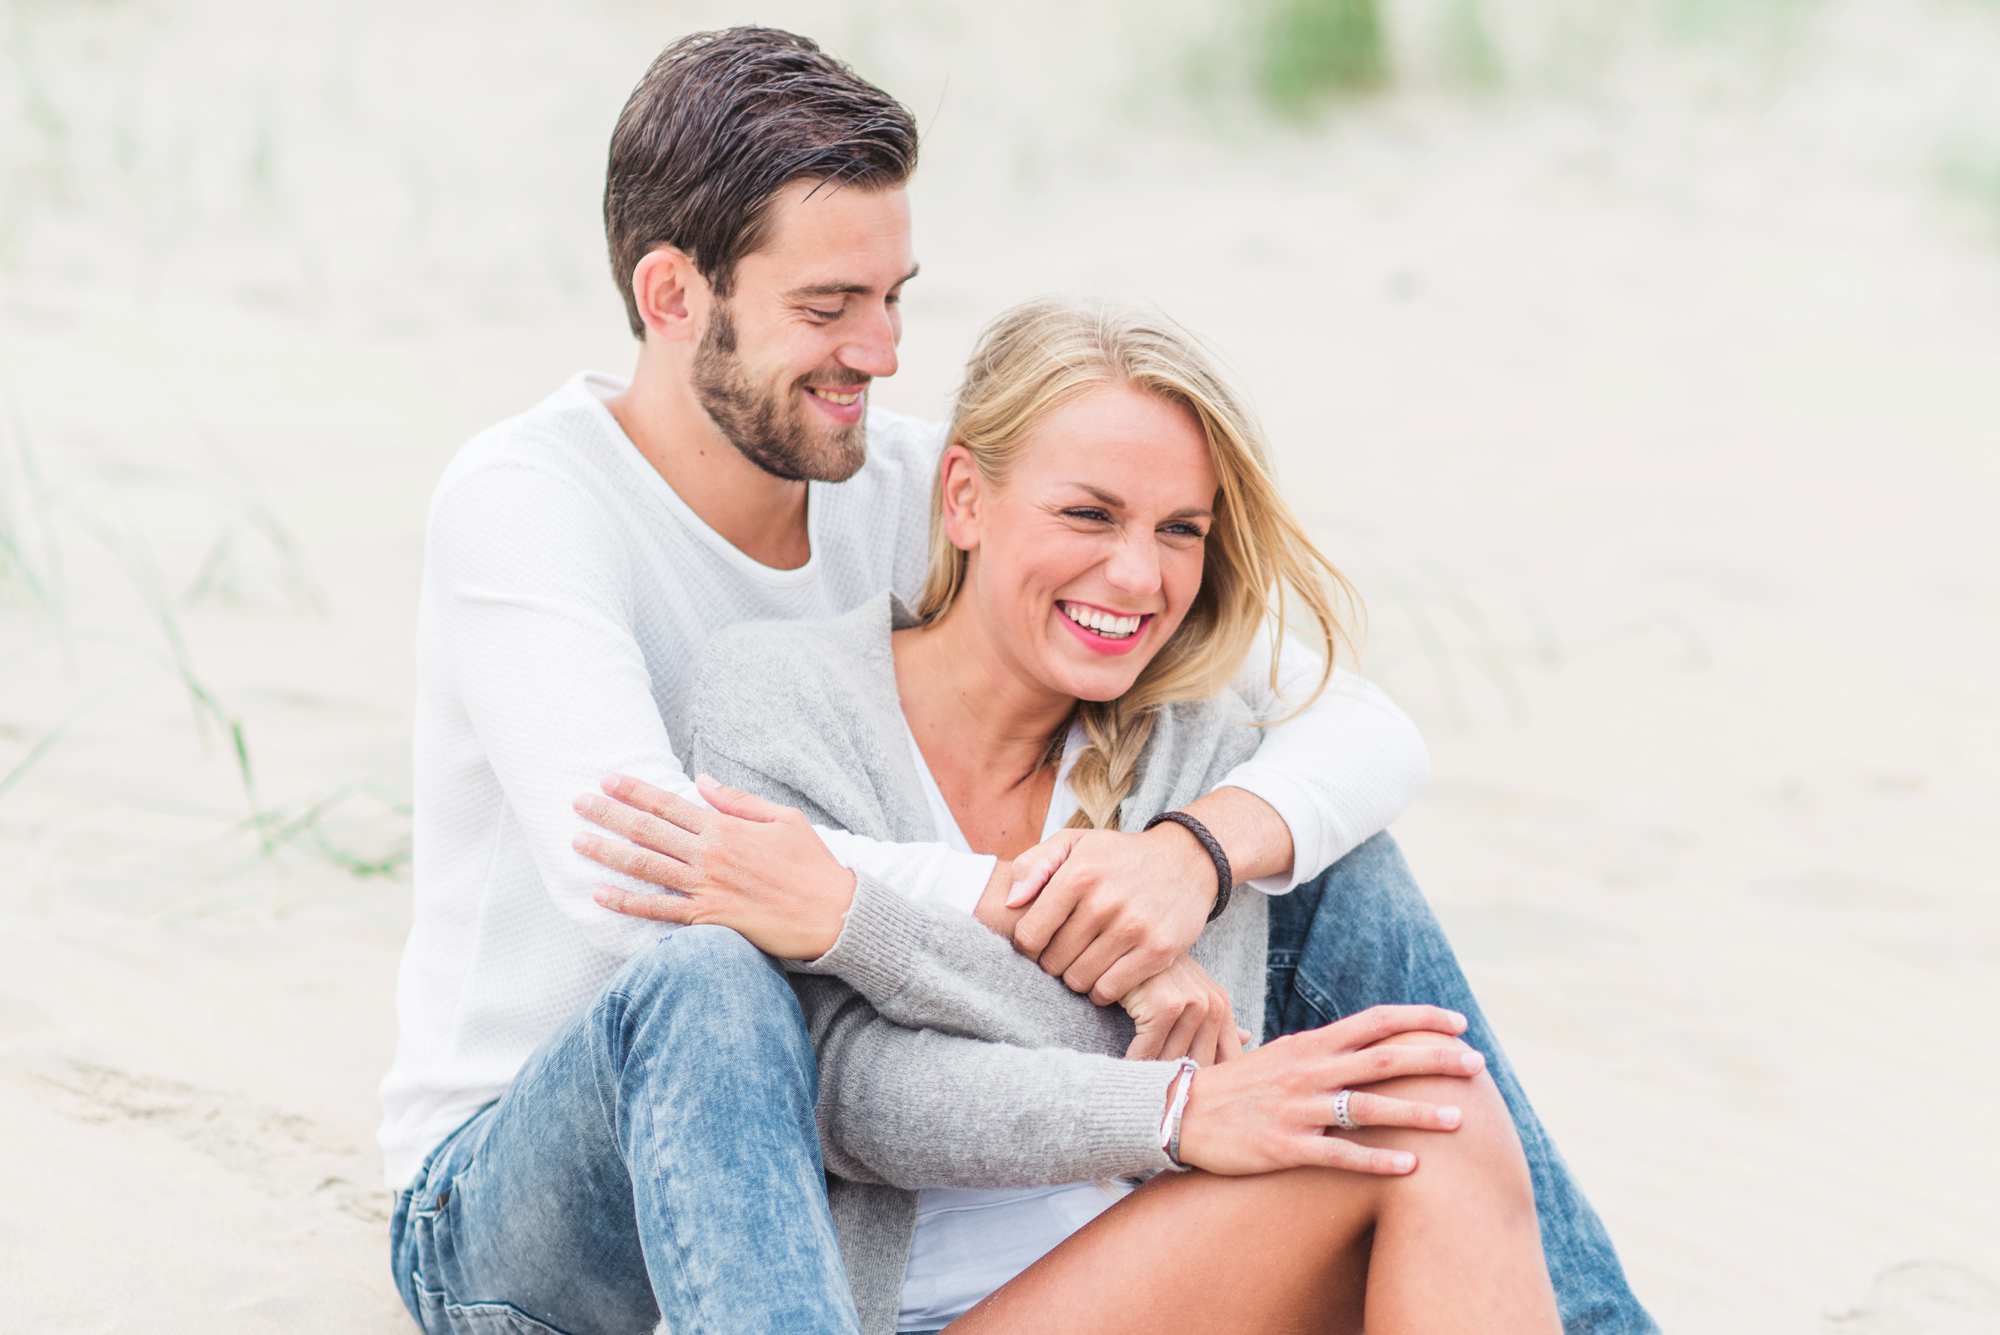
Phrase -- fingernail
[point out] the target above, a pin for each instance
(1448, 1116)
(707, 779)
(611, 783)
(1458, 1018)
(581, 843)
(1404, 1162)
(586, 804)
(602, 896)
(1472, 1061)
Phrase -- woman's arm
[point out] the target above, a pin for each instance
(937, 968)
(913, 1108)
(916, 1108)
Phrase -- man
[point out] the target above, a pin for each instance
(590, 1119)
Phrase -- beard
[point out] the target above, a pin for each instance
(770, 428)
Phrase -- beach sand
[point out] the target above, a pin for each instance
(1649, 397)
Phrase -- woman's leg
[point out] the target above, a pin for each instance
(1192, 1251)
(1458, 1249)
(1451, 1247)
(1362, 933)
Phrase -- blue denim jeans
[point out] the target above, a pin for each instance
(1362, 935)
(658, 1157)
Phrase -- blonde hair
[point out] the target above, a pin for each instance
(1037, 357)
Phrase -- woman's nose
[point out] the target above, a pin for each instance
(1134, 567)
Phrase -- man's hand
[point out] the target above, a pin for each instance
(750, 865)
(1182, 1012)
(1119, 908)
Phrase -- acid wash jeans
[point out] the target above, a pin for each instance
(658, 1159)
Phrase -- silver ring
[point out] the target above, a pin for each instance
(1341, 1117)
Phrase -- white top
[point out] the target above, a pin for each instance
(970, 1241)
(566, 591)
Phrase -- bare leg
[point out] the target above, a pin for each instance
(1193, 1251)
(1452, 1247)
(1458, 1246)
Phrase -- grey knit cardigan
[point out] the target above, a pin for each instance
(946, 1059)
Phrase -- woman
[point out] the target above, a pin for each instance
(1107, 541)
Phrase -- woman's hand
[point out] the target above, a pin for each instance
(750, 865)
(1182, 1012)
(1271, 1108)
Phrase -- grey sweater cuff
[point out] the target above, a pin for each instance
(1128, 1100)
(878, 946)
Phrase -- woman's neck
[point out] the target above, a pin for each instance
(984, 731)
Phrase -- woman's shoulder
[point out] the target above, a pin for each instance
(822, 648)
(1194, 743)
(763, 683)
(799, 712)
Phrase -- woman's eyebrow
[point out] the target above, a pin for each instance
(1118, 503)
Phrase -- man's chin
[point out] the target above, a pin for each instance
(839, 457)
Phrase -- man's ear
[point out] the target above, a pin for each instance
(959, 492)
(671, 294)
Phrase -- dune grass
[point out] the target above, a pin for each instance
(1310, 50)
(1968, 171)
(34, 521)
(1470, 56)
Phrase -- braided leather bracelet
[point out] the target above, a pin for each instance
(1225, 880)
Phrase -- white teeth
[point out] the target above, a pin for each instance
(842, 399)
(1104, 623)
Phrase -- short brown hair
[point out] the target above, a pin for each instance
(719, 123)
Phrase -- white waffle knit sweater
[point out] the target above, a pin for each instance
(567, 591)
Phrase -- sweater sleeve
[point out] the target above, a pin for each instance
(932, 967)
(1339, 772)
(915, 1108)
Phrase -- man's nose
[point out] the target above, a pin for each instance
(872, 349)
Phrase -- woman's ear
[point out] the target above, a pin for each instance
(959, 492)
(670, 293)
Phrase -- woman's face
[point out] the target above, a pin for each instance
(1085, 561)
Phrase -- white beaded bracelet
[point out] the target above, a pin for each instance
(1170, 1125)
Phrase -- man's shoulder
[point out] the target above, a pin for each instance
(900, 435)
(558, 444)
(902, 451)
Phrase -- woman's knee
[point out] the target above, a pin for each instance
(1485, 1143)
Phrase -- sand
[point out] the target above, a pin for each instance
(1650, 398)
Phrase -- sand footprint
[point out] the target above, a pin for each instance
(1923, 1297)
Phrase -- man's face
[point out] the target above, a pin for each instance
(784, 365)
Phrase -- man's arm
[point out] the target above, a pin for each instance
(1336, 774)
(752, 864)
(525, 572)
(924, 965)
(1119, 907)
